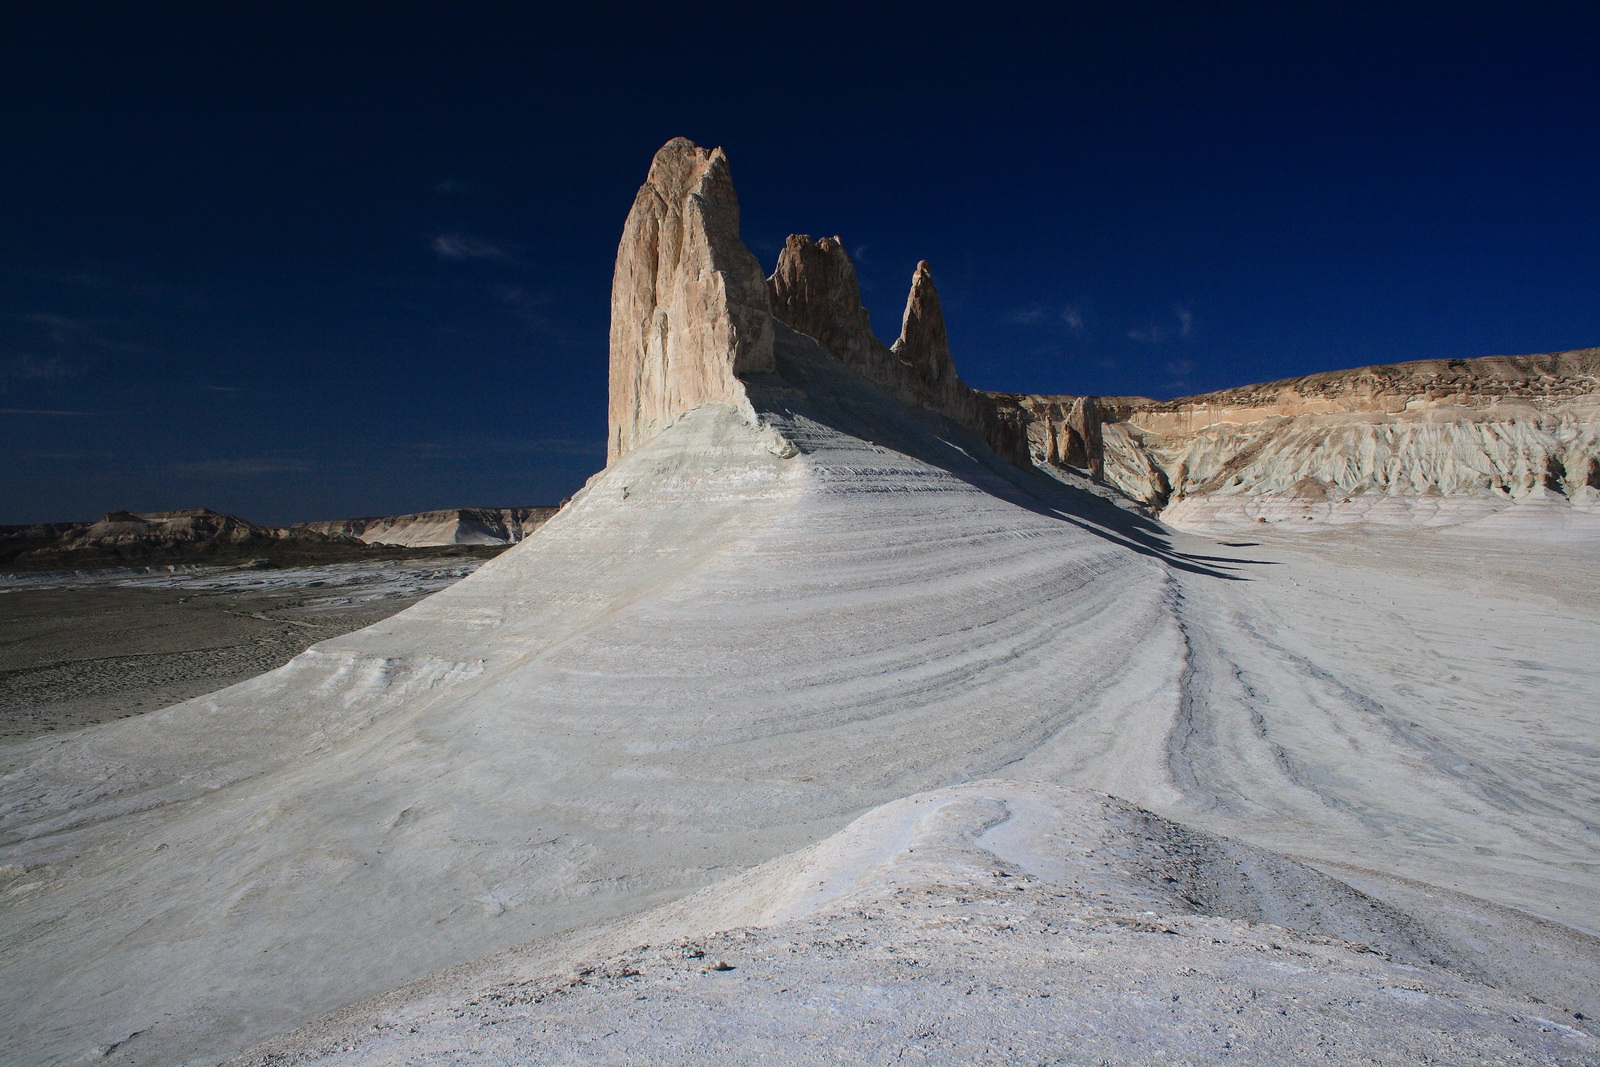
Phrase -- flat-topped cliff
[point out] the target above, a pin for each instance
(1409, 441)
(203, 536)
(448, 526)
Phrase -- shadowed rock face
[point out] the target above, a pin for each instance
(690, 314)
(1063, 431)
(814, 290)
(689, 306)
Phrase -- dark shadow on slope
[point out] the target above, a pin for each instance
(810, 383)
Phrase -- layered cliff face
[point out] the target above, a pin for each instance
(1377, 442)
(199, 535)
(691, 318)
(169, 536)
(689, 306)
(450, 526)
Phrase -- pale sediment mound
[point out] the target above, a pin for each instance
(997, 920)
(793, 598)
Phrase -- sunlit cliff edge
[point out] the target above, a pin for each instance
(1426, 442)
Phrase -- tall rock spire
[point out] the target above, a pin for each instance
(923, 342)
(689, 305)
(815, 291)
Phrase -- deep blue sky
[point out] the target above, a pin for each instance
(335, 259)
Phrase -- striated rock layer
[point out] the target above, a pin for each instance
(1377, 442)
(450, 526)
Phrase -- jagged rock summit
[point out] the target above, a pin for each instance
(691, 316)
(692, 323)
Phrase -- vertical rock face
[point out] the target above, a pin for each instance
(923, 342)
(815, 290)
(1062, 431)
(1082, 444)
(689, 305)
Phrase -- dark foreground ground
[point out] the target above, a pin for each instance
(77, 649)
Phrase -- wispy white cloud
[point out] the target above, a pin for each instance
(518, 297)
(1156, 333)
(128, 290)
(1028, 316)
(460, 246)
(457, 448)
(1178, 375)
(1153, 334)
(30, 368)
(63, 349)
(1073, 317)
(527, 307)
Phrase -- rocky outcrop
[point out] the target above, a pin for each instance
(690, 314)
(451, 526)
(1332, 444)
(1062, 431)
(924, 344)
(203, 536)
(689, 308)
(190, 526)
(159, 537)
(814, 290)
